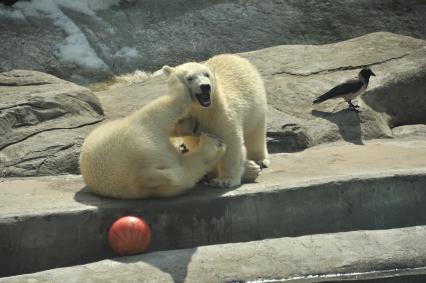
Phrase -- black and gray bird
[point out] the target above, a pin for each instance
(349, 90)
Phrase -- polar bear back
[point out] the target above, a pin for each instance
(119, 156)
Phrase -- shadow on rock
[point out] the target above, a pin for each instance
(175, 263)
(289, 137)
(349, 123)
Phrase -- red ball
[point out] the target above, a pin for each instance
(129, 235)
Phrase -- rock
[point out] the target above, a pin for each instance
(43, 121)
(294, 75)
(148, 34)
(410, 131)
(47, 153)
(38, 110)
(119, 102)
(400, 93)
(292, 135)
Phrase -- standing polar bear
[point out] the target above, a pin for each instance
(133, 157)
(230, 102)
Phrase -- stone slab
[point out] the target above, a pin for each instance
(313, 258)
(51, 222)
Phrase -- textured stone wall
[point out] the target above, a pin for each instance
(148, 34)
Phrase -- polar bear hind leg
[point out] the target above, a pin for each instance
(256, 147)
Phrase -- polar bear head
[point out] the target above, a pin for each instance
(197, 78)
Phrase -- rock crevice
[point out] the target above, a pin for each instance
(339, 69)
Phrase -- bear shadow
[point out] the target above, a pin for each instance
(348, 122)
(153, 211)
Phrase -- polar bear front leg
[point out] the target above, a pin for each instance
(232, 165)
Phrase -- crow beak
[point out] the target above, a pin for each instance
(373, 74)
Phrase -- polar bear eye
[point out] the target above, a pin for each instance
(207, 75)
(189, 79)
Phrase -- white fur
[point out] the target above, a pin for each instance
(237, 113)
(134, 158)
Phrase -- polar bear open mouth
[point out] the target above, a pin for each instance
(203, 99)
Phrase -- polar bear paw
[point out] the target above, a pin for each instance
(251, 171)
(224, 182)
(265, 163)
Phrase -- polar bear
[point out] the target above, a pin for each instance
(133, 157)
(229, 101)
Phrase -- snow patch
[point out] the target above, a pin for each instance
(11, 13)
(75, 48)
(128, 53)
(87, 7)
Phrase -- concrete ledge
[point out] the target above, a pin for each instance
(313, 258)
(54, 222)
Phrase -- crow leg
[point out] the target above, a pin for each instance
(353, 107)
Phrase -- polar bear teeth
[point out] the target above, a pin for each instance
(204, 99)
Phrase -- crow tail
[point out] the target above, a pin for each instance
(322, 98)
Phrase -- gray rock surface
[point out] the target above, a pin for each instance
(294, 75)
(43, 121)
(336, 257)
(149, 34)
(410, 131)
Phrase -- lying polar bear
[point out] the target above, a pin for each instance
(133, 157)
(229, 101)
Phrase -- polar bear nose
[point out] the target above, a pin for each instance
(205, 88)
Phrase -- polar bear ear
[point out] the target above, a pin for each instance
(167, 70)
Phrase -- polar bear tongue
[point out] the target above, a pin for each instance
(203, 99)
